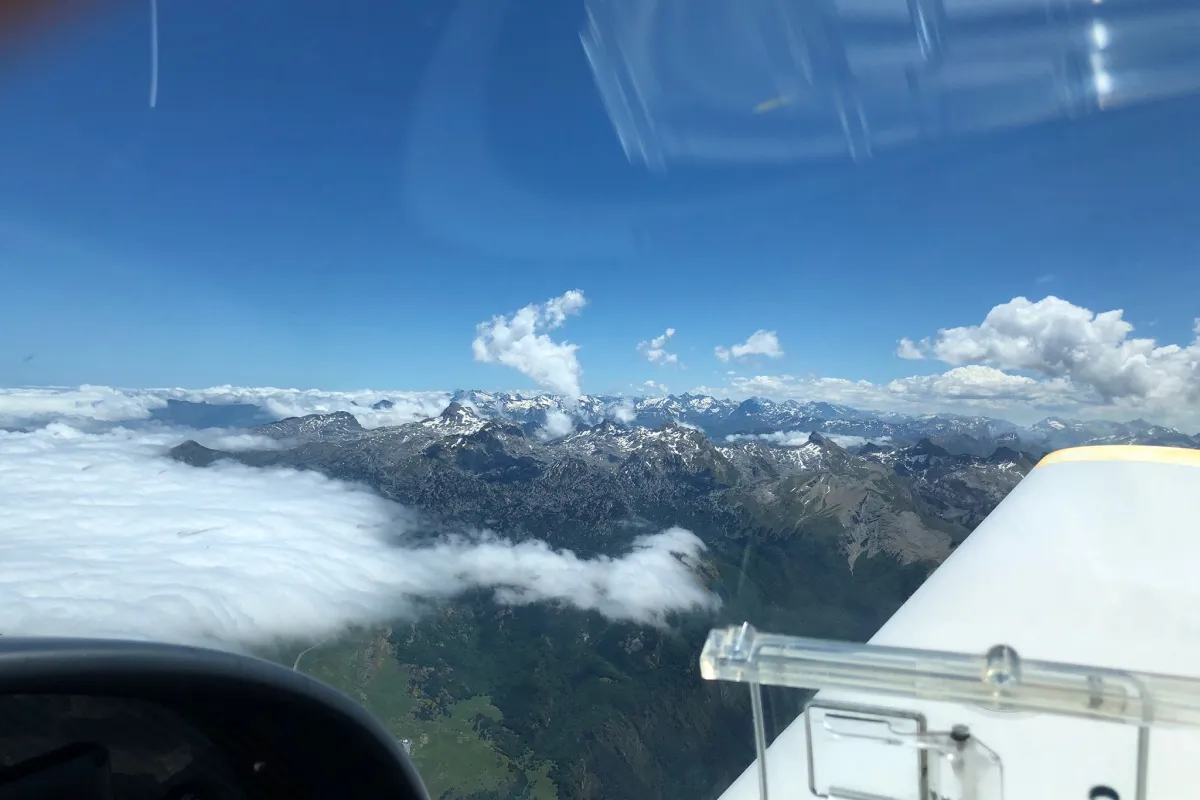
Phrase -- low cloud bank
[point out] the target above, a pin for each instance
(99, 407)
(101, 535)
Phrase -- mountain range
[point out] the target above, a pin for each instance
(719, 418)
(818, 519)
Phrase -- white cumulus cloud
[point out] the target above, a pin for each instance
(655, 349)
(102, 535)
(623, 411)
(1026, 360)
(907, 348)
(557, 425)
(975, 382)
(760, 343)
(520, 342)
(1093, 351)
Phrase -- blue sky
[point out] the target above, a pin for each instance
(334, 195)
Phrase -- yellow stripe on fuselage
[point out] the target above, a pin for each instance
(1124, 452)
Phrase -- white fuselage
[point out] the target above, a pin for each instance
(1090, 560)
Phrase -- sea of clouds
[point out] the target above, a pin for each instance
(101, 534)
(92, 406)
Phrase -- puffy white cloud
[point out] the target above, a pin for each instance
(976, 383)
(655, 349)
(101, 535)
(558, 424)
(519, 342)
(622, 412)
(1093, 351)
(907, 348)
(655, 386)
(557, 309)
(656, 576)
(760, 343)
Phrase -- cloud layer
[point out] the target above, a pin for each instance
(101, 535)
(20, 407)
(521, 342)
(969, 389)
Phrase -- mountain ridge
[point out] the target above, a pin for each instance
(758, 416)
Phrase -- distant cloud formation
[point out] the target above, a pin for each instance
(1024, 360)
(800, 438)
(400, 406)
(102, 535)
(1091, 352)
(623, 412)
(907, 348)
(520, 342)
(558, 424)
(655, 349)
(100, 403)
(760, 343)
(972, 382)
(105, 404)
(974, 389)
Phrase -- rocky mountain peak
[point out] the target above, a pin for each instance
(313, 427)
(870, 448)
(926, 447)
(458, 414)
(1004, 455)
(820, 441)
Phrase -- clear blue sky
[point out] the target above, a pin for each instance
(334, 194)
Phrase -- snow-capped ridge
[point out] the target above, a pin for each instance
(313, 427)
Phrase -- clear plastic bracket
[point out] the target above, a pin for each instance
(951, 763)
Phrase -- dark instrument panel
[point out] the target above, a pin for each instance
(94, 719)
